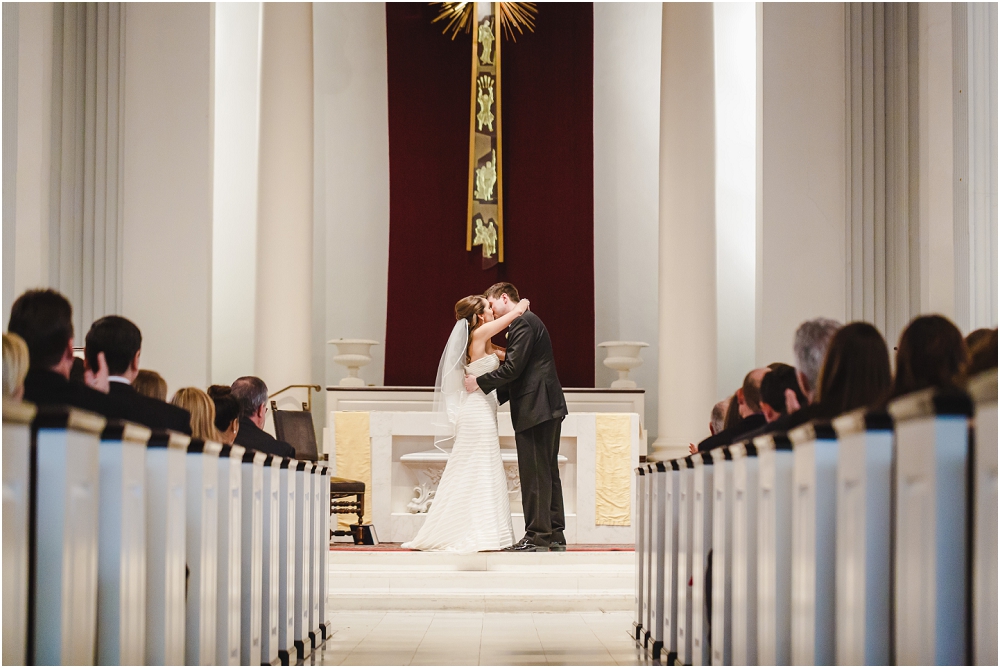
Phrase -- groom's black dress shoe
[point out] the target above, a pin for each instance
(525, 545)
(557, 547)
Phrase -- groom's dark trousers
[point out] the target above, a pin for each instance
(528, 380)
(541, 488)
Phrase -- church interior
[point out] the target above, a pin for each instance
(757, 247)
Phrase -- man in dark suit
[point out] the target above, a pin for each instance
(44, 319)
(528, 379)
(251, 393)
(120, 341)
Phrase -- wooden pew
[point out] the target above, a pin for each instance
(121, 571)
(303, 545)
(641, 506)
(685, 556)
(864, 538)
(286, 560)
(229, 589)
(671, 515)
(701, 541)
(17, 450)
(774, 549)
(814, 517)
(931, 519)
(251, 549)
(647, 555)
(983, 389)
(202, 547)
(316, 544)
(323, 543)
(63, 562)
(166, 550)
(270, 557)
(744, 560)
(659, 524)
(722, 556)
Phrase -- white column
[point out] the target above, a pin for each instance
(801, 171)
(351, 230)
(167, 141)
(234, 202)
(687, 228)
(937, 243)
(285, 191)
(626, 185)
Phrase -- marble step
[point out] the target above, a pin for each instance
(491, 582)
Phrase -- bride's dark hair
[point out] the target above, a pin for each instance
(468, 309)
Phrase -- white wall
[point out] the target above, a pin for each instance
(168, 186)
(735, 189)
(234, 232)
(351, 195)
(626, 186)
(801, 207)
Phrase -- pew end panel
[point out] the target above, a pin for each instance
(864, 538)
(931, 550)
(17, 452)
(983, 389)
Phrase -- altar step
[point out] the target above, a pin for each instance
(574, 581)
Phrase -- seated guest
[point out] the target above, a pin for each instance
(748, 402)
(811, 341)
(717, 421)
(251, 393)
(202, 411)
(78, 374)
(976, 337)
(120, 341)
(732, 412)
(855, 374)
(931, 353)
(15, 366)
(227, 414)
(780, 393)
(44, 319)
(150, 384)
(984, 354)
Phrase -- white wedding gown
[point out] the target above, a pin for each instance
(471, 508)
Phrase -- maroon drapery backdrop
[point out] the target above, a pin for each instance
(548, 176)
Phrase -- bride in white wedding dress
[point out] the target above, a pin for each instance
(471, 508)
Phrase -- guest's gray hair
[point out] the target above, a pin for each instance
(812, 338)
(251, 393)
(719, 415)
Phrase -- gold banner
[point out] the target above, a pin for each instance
(485, 218)
(354, 456)
(613, 469)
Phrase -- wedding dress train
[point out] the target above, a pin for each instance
(471, 508)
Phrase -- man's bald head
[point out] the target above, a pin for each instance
(749, 394)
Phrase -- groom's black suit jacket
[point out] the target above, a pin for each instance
(528, 376)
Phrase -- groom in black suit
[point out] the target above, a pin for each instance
(528, 379)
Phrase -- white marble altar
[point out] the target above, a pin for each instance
(578, 400)
(403, 460)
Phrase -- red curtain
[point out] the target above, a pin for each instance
(548, 155)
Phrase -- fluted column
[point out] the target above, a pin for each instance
(687, 354)
(285, 196)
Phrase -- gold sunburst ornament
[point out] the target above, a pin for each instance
(512, 16)
(484, 222)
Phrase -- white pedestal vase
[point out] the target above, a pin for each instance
(623, 356)
(353, 354)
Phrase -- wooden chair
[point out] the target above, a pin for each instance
(347, 497)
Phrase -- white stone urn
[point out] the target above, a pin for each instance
(353, 354)
(623, 356)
